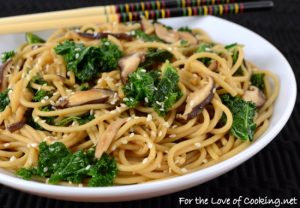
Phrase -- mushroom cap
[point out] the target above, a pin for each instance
(255, 95)
(129, 64)
(197, 100)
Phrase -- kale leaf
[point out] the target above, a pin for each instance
(40, 94)
(140, 86)
(87, 62)
(167, 92)
(145, 37)
(38, 80)
(243, 126)
(155, 90)
(154, 57)
(80, 120)
(29, 119)
(7, 55)
(4, 99)
(58, 163)
(32, 38)
(205, 47)
(185, 29)
(257, 79)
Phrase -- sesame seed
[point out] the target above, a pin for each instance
(146, 100)
(118, 109)
(128, 119)
(153, 133)
(184, 170)
(205, 161)
(80, 185)
(159, 165)
(36, 119)
(149, 117)
(56, 93)
(43, 121)
(191, 103)
(69, 73)
(197, 144)
(43, 101)
(34, 144)
(123, 105)
(91, 111)
(166, 124)
(145, 160)
(214, 90)
(131, 135)
(45, 169)
(52, 102)
(46, 97)
(12, 158)
(172, 136)
(124, 141)
(114, 147)
(47, 181)
(160, 133)
(126, 99)
(76, 55)
(6, 144)
(174, 126)
(88, 167)
(143, 70)
(28, 145)
(149, 145)
(70, 182)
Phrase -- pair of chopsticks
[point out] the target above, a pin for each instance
(127, 13)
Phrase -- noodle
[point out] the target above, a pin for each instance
(146, 146)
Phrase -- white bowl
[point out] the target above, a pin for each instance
(258, 50)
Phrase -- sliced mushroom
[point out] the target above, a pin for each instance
(197, 100)
(170, 36)
(3, 70)
(147, 26)
(16, 126)
(107, 137)
(96, 36)
(188, 37)
(129, 64)
(93, 96)
(255, 95)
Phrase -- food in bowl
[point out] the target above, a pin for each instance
(128, 103)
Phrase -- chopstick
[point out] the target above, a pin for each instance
(233, 8)
(113, 9)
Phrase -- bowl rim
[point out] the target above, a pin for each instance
(155, 188)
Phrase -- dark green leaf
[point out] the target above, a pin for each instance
(4, 99)
(154, 57)
(7, 55)
(145, 37)
(32, 38)
(40, 94)
(205, 47)
(257, 79)
(185, 29)
(243, 112)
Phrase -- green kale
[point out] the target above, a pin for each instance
(184, 43)
(167, 92)
(38, 80)
(155, 90)
(145, 37)
(50, 156)
(205, 47)
(4, 99)
(185, 29)
(243, 112)
(40, 94)
(58, 163)
(230, 46)
(84, 87)
(140, 85)
(7, 55)
(72, 167)
(87, 62)
(257, 79)
(154, 57)
(103, 172)
(32, 38)
(80, 120)
(29, 119)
